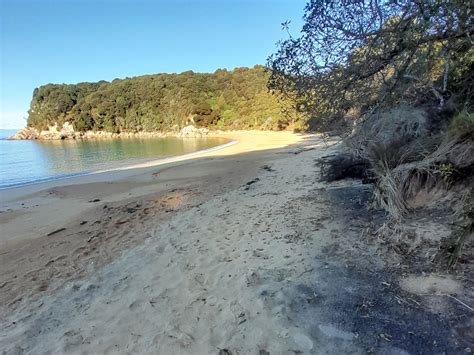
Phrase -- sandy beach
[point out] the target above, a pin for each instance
(240, 250)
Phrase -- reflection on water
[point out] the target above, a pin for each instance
(27, 161)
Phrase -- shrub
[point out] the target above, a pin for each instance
(462, 125)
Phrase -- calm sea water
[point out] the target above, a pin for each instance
(24, 162)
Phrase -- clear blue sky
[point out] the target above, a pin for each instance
(66, 41)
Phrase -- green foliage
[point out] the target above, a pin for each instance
(204, 116)
(446, 171)
(236, 99)
(203, 108)
(462, 125)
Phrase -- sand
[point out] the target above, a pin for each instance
(236, 251)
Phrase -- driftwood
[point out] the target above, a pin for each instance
(56, 231)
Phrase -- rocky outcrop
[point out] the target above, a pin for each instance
(191, 131)
(52, 133)
(26, 133)
(67, 132)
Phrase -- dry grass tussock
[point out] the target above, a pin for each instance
(399, 176)
(405, 156)
(403, 152)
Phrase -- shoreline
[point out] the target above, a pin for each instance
(247, 141)
(123, 165)
(41, 199)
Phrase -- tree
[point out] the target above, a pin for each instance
(369, 54)
(204, 116)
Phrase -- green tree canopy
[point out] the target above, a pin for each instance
(224, 99)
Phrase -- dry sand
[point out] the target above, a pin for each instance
(236, 251)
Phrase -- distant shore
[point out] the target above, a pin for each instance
(67, 132)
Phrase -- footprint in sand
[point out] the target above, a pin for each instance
(135, 304)
(238, 311)
(71, 339)
(252, 279)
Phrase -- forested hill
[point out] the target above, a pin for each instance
(224, 99)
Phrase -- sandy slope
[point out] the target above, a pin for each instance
(239, 254)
